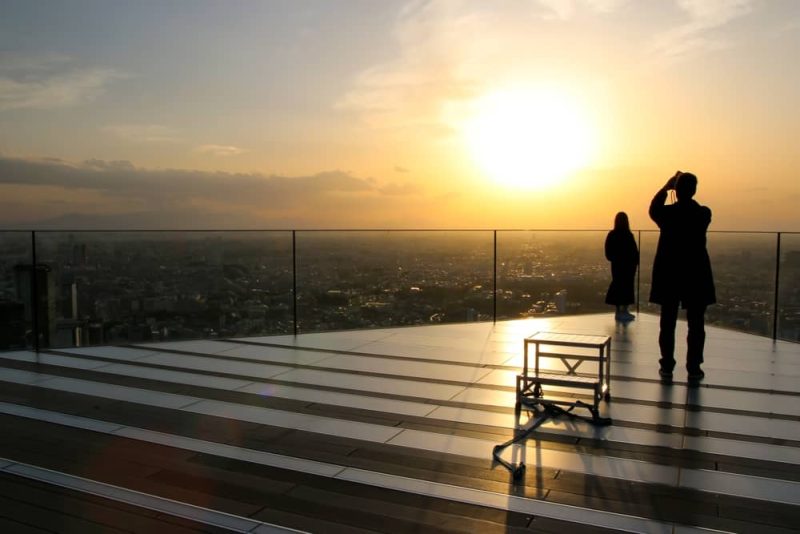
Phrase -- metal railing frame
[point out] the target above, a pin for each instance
(36, 327)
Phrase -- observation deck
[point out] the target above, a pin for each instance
(392, 430)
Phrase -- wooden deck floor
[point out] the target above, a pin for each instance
(391, 431)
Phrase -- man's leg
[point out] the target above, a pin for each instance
(666, 337)
(695, 339)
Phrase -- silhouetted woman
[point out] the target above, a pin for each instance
(623, 254)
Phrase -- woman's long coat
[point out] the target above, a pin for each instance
(623, 254)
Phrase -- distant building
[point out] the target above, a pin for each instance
(80, 256)
(12, 325)
(561, 301)
(43, 312)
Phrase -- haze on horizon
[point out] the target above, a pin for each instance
(395, 114)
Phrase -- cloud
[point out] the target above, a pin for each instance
(450, 51)
(166, 186)
(567, 9)
(789, 26)
(695, 35)
(559, 9)
(220, 150)
(399, 189)
(605, 6)
(103, 194)
(103, 165)
(409, 90)
(144, 133)
(711, 13)
(20, 64)
(50, 82)
(398, 168)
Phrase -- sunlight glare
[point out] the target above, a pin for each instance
(528, 138)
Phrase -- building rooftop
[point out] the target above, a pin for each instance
(393, 430)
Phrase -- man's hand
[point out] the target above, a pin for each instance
(672, 181)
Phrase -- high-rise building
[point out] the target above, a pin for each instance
(41, 314)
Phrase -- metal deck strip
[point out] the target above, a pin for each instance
(142, 500)
(574, 514)
(714, 445)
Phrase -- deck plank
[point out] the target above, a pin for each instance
(320, 503)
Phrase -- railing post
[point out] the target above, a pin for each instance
(777, 287)
(34, 294)
(639, 274)
(294, 279)
(494, 281)
(494, 284)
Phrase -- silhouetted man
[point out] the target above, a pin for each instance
(681, 272)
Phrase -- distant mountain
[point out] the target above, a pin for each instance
(147, 220)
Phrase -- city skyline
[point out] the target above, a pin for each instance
(396, 114)
(118, 287)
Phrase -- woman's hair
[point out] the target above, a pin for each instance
(621, 222)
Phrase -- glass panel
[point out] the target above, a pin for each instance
(129, 287)
(744, 275)
(647, 252)
(551, 272)
(366, 279)
(789, 289)
(16, 325)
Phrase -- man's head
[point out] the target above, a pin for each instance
(686, 186)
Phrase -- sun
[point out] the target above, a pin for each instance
(528, 138)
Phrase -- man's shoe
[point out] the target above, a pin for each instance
(666, 376)
(696, 375)
(627, 316)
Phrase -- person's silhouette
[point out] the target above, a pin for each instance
(681, 272)
(623, 254)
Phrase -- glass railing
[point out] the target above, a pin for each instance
(365, 279)
(16, 320)
(744, 267)
(788, 288)
(126, 287)
(541, 273)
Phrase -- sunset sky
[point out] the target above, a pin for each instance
(395, 114)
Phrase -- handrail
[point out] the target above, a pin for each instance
(344, 230)
(777, 287)
(34, 294)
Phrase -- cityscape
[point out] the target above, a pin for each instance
(96, 288)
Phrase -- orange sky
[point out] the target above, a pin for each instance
(397, 114)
